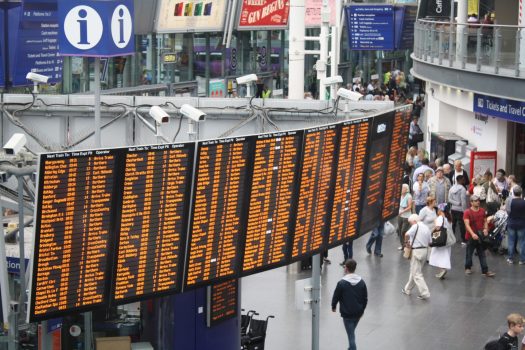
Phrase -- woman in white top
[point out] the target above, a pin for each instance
(440, 256)
(428, 215)
(405, 209)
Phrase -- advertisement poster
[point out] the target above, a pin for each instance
(176, 16)
(480, 162)
(473, 7)
(36, 48)
(217, 88)
(269, 14)
(312, 16)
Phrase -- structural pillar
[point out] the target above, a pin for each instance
(461, 43)
(521, 24)
(296, 50)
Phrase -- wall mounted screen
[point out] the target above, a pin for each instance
(315, 194)
(350, 175)
(75, 201)
(176, 16)
(272, 201)
(153, 220)
(219, 209)
(222, 302)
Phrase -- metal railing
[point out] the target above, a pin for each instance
(486, 48)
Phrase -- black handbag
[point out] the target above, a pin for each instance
(439, 237)
(488, 241)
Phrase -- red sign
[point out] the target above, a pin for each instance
(264, 13)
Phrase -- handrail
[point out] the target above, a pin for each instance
(484, 48)
(470, 24)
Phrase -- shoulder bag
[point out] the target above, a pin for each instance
(439, 236)
(407, 251)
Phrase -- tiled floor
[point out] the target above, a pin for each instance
(463, 313)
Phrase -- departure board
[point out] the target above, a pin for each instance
(381, 133)
(396, 160)
(72, 232)
(220, 200)
(153, 220)
(315, 194)
(272, 201)
(222, 302)
(350, 177)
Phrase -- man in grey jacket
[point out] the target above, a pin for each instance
(457, 197)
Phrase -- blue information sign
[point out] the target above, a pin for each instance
(500, 108)
(36, 43)
(370, 27)
(96, 28)
(404, 18)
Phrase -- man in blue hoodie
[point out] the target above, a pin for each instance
(352, 296)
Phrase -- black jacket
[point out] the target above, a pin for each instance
(506, 342)
(352, 296)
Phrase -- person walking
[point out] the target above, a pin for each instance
(377, 237)
(457, 198)
(440, 256)
(516, 226)
(348, 251)
(418, 237)
(420, 190)
(439, 186)
(476, 225)
(352, 296)
(405, 209)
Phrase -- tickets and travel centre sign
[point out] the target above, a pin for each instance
(96, 28)
(500, 108)
(370, 27)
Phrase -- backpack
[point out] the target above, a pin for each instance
(492, 345)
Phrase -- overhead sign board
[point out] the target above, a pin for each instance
(500, 108)
(175, 16)
(404, 19)
(268, 14)
(36, 44)
(96, 28)
(370, 27)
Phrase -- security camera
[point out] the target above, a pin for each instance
(15, 144)
(336, 79)
(160, 115)
(246, 79)
(349, 95)
(37, 78)
(193, 113)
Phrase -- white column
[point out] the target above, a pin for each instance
(462, 17)
(521, 24)
(323, 47)
(296, 50)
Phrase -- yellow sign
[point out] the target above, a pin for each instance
(473, 7)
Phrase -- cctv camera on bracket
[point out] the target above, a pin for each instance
(15, 144)
(246, 79)
(336, 79)
(36, 79)
(349, 95)
(160, 115)
(192, 113)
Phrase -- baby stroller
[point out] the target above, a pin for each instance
(254, 339)
(498, 232)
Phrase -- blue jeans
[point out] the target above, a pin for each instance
(419, 207)
(377, 237)
(519, 235)
(348, 250)
(472, 246)
(350, 325)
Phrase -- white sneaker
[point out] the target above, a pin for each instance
(400, 248)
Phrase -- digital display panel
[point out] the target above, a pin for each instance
(273, 200)
(222, 302)
(315, 194)
(72, 232)
(219, 209)
(153, 220)
(350, 177)
(396, 160)
(371, 212)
